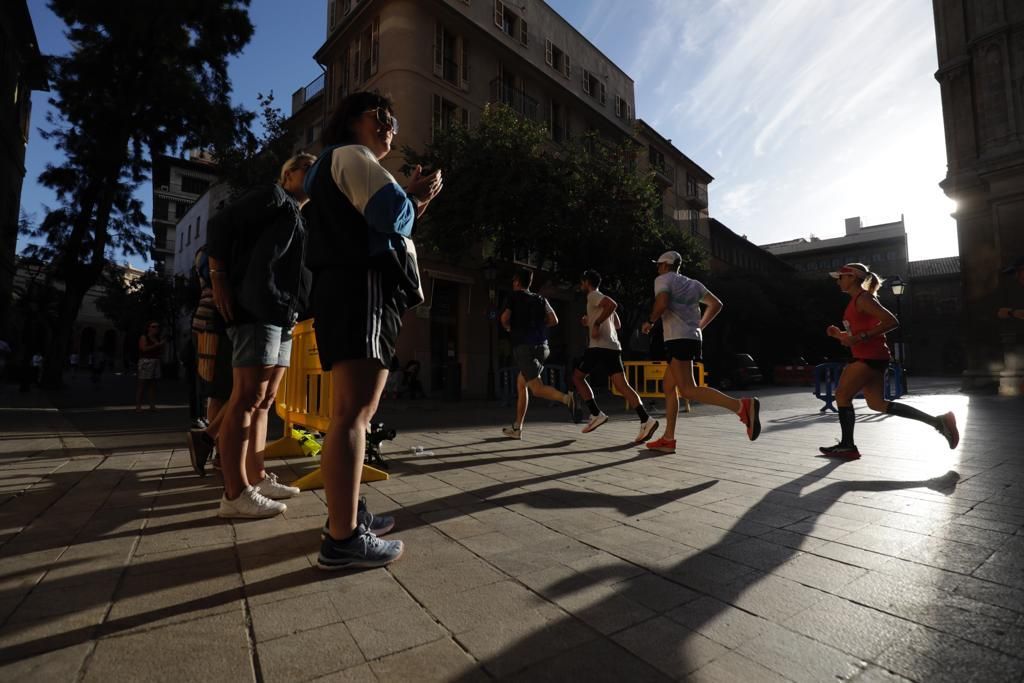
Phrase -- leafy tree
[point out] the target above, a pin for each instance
(578, 206)
(143, 78)
(253, 159)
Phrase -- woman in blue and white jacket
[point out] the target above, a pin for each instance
(365, 276)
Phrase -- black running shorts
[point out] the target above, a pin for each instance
(683, 349)
(357, 314)
(595, 359)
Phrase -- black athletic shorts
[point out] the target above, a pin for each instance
(220, 387)
(873, 363)
(683, 349)
(357, 314)
(608, 360)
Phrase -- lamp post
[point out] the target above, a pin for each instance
(898, 286)
(490, 272)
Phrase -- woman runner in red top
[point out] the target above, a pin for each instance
(866, 322)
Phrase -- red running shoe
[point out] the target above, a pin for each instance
(750, 415)
(664, 445)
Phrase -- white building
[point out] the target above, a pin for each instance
(191, 229)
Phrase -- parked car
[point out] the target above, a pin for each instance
(734, 370)
(794, 372)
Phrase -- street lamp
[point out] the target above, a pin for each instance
(898, 286)
(490, 273)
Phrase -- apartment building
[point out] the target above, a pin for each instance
(732, 252)
(192, 228)
(177, 184)
(882, 246)
(442, 62)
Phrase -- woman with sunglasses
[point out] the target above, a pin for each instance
(365, 276)
(866, 323)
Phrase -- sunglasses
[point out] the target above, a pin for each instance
(385, 118)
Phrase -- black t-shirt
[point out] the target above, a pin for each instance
(529, 318)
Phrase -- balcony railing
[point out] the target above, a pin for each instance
(698, 195)
(303, 95)
(517, 100)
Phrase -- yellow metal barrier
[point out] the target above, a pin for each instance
(647, 378)
(304, 400)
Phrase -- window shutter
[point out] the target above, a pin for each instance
(629, 112)
(603, 93)
(524, 37)
(438, 49)
(464, 66)
(618, 106)
(375, 45)
(586, 81)
(499, 14)
(549, 58)
(566, 65)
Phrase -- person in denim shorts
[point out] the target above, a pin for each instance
(260, 283)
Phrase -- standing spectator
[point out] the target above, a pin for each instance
(212, 369)
(527, 318)
(151, 351)
(256, 250)
(366, 277)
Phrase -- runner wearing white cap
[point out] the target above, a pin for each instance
(677, 303)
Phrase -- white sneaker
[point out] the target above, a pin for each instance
(595, 422)
(275, 490)
(513, 432)
(250, 505)
(647, 430)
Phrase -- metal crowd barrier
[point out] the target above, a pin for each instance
(304, 400)
(647, 377)
(826, 379)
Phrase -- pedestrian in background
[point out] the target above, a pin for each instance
(256, 249)
(151, 351)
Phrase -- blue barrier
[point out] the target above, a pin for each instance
(505, 381)
(826, 379)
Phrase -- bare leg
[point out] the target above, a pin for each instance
(538, 388)
(682, 371)
(250, 384)
(671, 406)
(258, 427)
(357, 386)
(522, 400)
(215, 416)
(579, 380)
(623, 387)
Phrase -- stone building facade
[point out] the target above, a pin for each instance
(981, 76)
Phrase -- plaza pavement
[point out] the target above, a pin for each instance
(560, 557)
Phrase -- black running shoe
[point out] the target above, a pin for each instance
(377, 524)
(200, 446)
(841, 450)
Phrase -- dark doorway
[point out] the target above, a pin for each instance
(444, 333)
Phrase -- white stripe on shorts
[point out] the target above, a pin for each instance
(374, 311)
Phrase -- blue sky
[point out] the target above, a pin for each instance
(805, 111)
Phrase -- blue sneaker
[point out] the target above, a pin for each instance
(362, 549)
(377, 524)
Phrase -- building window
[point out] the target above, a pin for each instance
(191, 185)
(181, 241)
(656, 158)
(199, 219)
(593, 86)
(364, 53)
(558, 122)
(188, 234)
(556, 59)
(510, 23)
(451, 57)
(623, 109)
(446, 114)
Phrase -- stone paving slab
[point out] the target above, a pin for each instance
(559, 557)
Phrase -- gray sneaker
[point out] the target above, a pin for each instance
(377, 524)
(513, 432)
(362, 549)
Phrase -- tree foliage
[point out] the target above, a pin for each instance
(132, 303)
(579, 205)
(251, 159)
(142, 78)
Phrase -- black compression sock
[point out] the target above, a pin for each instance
(642, 414)
(846, 420)
(903, 410)
(592, 405)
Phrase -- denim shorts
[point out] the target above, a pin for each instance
(259, 345)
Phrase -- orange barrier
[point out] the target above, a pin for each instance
(304, 400)
(647, 376)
